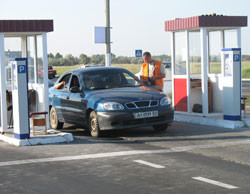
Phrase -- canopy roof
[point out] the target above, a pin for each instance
(205, 21)
(15, 26)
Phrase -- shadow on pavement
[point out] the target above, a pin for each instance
(177, 132)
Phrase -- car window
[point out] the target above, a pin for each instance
(74, 81)
(107, 79)
(65, 79)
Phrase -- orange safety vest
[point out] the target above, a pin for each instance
(157, 71)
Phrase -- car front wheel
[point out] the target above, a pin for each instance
(54, 122)
(94, 125)
(159, 128)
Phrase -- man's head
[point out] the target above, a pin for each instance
(147, 57)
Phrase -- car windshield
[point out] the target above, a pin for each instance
(106, 79)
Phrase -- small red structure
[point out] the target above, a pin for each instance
(197, 73)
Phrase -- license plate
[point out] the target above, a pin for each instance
(140, 115)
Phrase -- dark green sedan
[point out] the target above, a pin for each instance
(107, 98)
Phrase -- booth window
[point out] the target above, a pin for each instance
(180, 53)
(31, 58)
(39, 62)
(215, 47)
(12, 48)
(231, 38)
(195, 52)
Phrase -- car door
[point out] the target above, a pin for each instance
(76, 101)
(60, 98)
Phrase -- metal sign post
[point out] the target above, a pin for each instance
(108, 47)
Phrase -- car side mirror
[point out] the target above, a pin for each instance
(75, 89)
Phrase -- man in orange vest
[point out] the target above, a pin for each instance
(152, 72)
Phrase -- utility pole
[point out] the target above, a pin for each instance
(108, 47)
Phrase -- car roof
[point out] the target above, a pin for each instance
(91, 69)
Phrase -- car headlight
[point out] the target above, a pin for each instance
(164, 101)
(113, 106)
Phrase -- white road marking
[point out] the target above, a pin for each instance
(215, 183)
(124, 153)
(149, 164)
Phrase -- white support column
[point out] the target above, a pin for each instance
(239, 37)
(24, 46)
(172, 37)
(2, 85)
(204, 71)
(222, 46)
(188, 70)
(239, 46)
(35, 61)
(45, 77)
(222, 36)
(108, 60)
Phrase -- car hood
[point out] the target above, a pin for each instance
(123, 95)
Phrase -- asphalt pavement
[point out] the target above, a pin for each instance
(187, 158)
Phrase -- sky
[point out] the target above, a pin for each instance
(136, 24)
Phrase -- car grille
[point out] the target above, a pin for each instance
(142, 104)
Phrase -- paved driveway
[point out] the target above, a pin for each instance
(187, 158)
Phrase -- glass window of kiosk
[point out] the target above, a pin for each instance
(12, 48)
(180, 53)
(215, 47)
(35, 58)
(195, 52)
(231, 38)
(39, 42)
(31, 58)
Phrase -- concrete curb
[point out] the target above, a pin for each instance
(58, 137)
(211, 121)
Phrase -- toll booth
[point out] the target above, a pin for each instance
(198, 77)
(231, 63)
(26, 42)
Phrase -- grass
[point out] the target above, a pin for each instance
(248, 101)
(195, 68)
(135, 68)
(131, 67)
(246, 69)
(61, 69)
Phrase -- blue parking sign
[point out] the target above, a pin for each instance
(138, 53)
(236, 57)
(21, 69)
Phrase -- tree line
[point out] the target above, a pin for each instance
(68, 60)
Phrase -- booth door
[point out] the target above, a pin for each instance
(179, 74)
(180, 94)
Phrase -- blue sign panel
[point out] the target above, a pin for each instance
(100, 35)
(236, 57)
(138, 53)
(21, 68)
